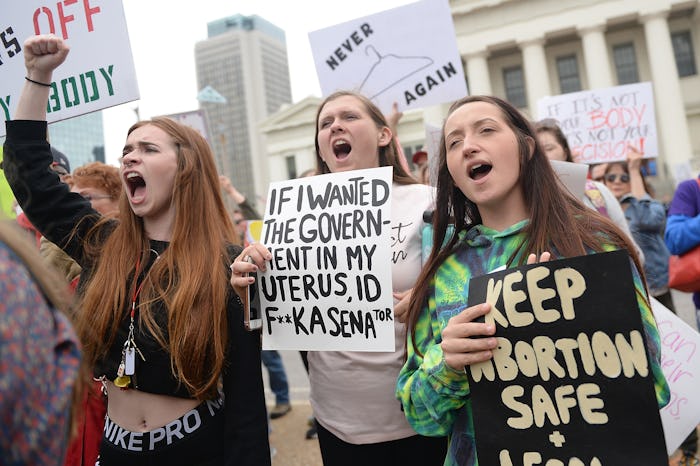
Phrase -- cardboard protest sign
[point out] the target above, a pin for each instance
(328, 285)
(99, 71)
(600, 123)
(406, 55)
(681, 366)
(570, 382)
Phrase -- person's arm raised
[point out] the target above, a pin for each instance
(42, 55)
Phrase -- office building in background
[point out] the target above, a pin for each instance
(81, 139)
(242, 77)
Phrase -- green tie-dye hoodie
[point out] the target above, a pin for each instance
(435, 397)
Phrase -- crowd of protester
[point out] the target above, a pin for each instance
(121, 321)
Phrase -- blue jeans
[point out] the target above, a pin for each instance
(278, 377)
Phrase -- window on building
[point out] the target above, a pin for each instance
(514, 81)
(683, 51)
(625, 63)
(291, 163)
(569, 80)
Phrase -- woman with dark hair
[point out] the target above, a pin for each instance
(500, 193)
(646, 218)
(352, 392)
(159, 323)
(596, 195)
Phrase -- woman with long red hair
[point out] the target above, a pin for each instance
(159, 323)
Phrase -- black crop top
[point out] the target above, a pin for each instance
(153, 374)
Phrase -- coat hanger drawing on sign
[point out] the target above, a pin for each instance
(391, 69)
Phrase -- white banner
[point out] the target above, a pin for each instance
(681, 366)
(599, 124)
(328, 286)
(99, 71)
(406, 55)
(195, 119)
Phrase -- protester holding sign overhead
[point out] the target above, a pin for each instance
(646, 218)
(597, 195)
(159, 325)
(352, 392)
(498, 190)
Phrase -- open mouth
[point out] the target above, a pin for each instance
(136, 185)
(479, 171)
(341, 149)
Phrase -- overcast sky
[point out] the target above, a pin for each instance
(163, 34)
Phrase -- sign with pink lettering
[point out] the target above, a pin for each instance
(99, 71)
(599, 124)
(681, 365)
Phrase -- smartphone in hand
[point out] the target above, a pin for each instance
(252, 314)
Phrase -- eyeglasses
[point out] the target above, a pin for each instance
(95, 197)
(612, 177)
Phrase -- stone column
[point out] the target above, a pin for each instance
(671, 121)
(536, 73)
(478, 73)
(595, 54)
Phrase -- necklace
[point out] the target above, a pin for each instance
(127, 366)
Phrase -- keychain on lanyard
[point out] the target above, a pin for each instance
(127, 366)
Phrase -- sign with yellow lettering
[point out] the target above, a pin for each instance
(570, 382)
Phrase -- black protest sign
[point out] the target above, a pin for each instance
(570, 382)
(328, 285)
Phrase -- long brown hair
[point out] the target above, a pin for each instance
(558, 221)
(551, 127)
(190, 277)
(388, 155)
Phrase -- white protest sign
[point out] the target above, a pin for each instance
(681, 366)
(599, 124)
(328, 285)
(572, 175)
(432, 147)
(99, 71)
(195, 119)
(406, 55)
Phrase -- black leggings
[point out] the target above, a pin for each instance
(417, 449)
(195, 439)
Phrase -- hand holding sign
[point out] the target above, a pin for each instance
(461, 345)
(241, 267)
(634, 158)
